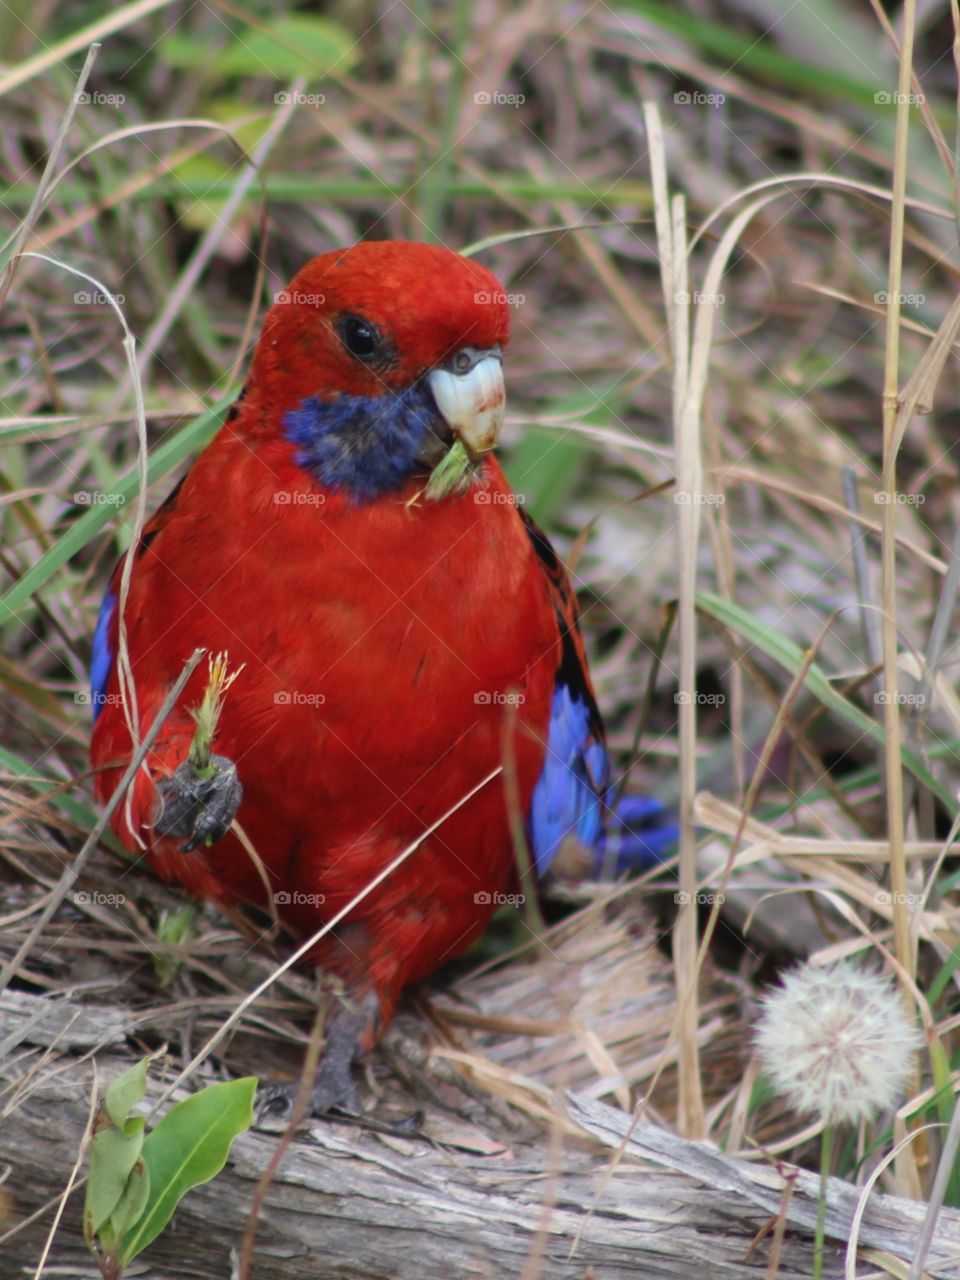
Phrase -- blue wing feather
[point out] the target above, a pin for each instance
(101, 659)
(569, 796)
(573, 795)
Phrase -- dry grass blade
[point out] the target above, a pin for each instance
(71, 1183)
(221, 225)
(46, 183)
(891, 402)
(50, 57)
(850, 1261)
(670, 218)
(945, 1168)
(72, 872)
(127, 684)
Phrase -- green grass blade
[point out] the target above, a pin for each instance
(792, 659)
(744, 52)
(27, 774)
(163, 459)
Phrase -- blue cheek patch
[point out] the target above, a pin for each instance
(101, 660)
(568, 799)
(365, 445)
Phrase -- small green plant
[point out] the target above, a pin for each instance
(175, 927)
(137, 1179)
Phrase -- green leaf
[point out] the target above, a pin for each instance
(162, 459)
(246, 122)
(182, 49)
(789, 656)
(546, 464)
(452, 473)
(188, 1147)
(125, 1092)
(283, 48)
(131, 1205)
(546, 467)
(113, 1155)
(114, 1150)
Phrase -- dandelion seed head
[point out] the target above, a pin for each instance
(836, 1042)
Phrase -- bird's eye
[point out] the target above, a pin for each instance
(359, 336)
(462, 362)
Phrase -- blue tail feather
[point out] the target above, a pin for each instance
(640, 833)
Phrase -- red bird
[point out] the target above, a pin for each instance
(398, 618)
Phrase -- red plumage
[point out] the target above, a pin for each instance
(396, 613)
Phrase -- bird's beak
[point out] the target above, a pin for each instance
(470, 395)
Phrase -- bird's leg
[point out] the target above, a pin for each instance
(348, 1033)
(199, 806)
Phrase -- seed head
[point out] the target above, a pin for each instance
(207, 715)
(836, 1041)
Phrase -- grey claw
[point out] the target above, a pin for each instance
(330, 1092)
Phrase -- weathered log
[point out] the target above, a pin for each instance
(352, 1204)
(474, 1197)
(347, 1204)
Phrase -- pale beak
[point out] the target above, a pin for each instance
(470, 395)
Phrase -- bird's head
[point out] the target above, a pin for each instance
(379, 358)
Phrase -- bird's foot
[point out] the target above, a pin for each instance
(333, 1086)
(196, 807)
(331, 1091)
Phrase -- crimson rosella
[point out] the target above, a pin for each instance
(404, 629)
